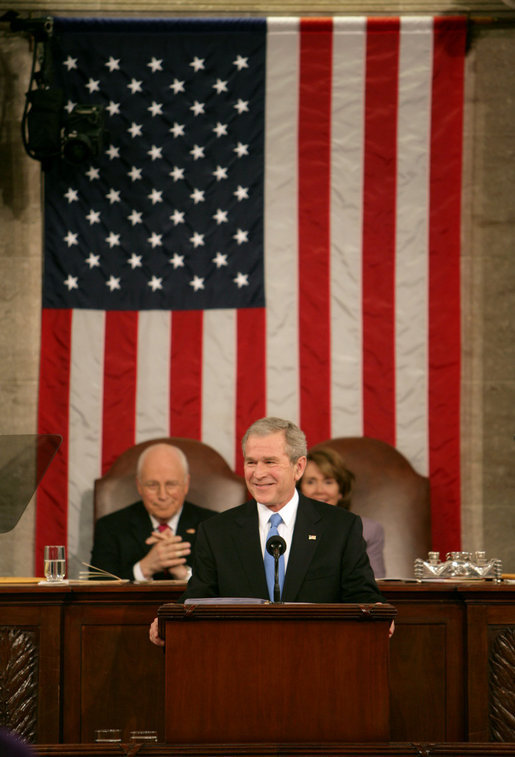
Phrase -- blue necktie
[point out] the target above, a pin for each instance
(274, 521)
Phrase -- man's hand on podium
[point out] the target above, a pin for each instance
(153, 634)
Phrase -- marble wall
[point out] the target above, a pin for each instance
(488, 267)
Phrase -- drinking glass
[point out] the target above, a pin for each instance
(54, 563)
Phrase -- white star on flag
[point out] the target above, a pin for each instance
(220, 216)
(155, 65)
(70, 63)
(155, 196)
(197, 63)
(197, 108)
(113, 64)
(155, 283)
(220, 129)
(241, 236)
(93, 86)
(156, 109)
(220, 86)
(93, 173)
(93, 260)
(220, 173)
(71, 283)
(220, 259)
(197, 152)
(177, 260)
(135, 86)
(242, 280)
(241, 62)
(93, 217)
(134, 173)
(177, 130)
(70, 238)
(113, 196)
(134, 261)
(197, 283)
(72, 195)
(135, 217)
(177, 217)
(113, 108)
(177, 86)
(155, 240)
(197, 240)
(177, 173)
(241, 193)
(155, 152)
(113, 240)
(113, 283)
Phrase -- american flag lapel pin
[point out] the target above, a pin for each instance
(312, 537)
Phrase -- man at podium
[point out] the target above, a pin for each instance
(323, 556)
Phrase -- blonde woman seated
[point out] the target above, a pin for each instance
(327, 479)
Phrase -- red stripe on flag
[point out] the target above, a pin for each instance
(250, 374)
(444, 281)
(120, 371)
(316, 46)
(53, 415)
(379, 192)
(186, 374)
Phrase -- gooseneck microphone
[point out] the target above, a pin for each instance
(276, 546)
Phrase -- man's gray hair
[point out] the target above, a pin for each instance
(296, 445)
(180, 454)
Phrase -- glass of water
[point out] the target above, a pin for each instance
(54, 563)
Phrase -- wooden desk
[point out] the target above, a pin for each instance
(80, 658)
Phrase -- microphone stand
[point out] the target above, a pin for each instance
(277, 589)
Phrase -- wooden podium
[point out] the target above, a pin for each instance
(276, 673)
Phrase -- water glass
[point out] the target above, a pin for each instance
(54, 563)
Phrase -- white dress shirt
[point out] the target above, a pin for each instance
(288, 513)
(172, 523)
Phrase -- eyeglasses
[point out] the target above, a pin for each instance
(170, 487)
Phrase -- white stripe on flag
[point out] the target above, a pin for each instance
(219, 382)
(281, 243)
(85, 426)
(153, 375)
(411, 266)
(349, 46)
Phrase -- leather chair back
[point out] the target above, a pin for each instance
(213, 484)
(389, 490)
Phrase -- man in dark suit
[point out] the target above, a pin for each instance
(326, 559)
(155, 537)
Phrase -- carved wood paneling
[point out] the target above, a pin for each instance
(19, 681)
(502, 686)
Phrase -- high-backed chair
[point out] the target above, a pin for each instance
(389, 490)
(213, 484)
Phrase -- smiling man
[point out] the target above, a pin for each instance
(325, 558)
(155, 537)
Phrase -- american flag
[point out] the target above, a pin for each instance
(272, 228)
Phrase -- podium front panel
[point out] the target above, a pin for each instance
(269, 676)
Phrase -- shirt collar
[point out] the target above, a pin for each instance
(288, 512)
(172, 522)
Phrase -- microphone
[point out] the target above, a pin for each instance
(276, 546)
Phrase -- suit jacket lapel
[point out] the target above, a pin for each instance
(140, 524)
(247, 547)
(308, 527)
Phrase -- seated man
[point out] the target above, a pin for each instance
(155, 537)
